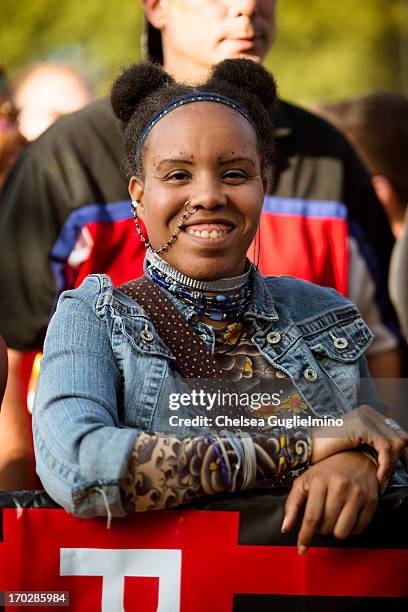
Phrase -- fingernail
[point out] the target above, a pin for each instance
(284, 527)
(302, 549)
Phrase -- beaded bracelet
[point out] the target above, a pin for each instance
(220, 443)
(221, 460)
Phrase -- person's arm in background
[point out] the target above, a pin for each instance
(384, 356)
(387, 364)
(398, 280)
(370, 246)
(31, 208)
(17, 465)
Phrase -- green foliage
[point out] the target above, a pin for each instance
(96, 36)
(327, 49)
(324, 48)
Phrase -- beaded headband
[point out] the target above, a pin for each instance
(188, 98)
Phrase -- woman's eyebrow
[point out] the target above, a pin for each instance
(174, 160)
(236, 159)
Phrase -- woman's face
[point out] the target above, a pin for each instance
(207, 154)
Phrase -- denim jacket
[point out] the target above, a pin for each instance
(104, 380)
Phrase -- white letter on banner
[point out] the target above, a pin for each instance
(114, 564)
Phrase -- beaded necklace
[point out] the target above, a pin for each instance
(190, 291)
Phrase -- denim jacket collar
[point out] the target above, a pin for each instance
(261, 304)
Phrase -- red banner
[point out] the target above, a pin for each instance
(182, 560)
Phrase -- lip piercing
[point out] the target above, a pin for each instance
(188, 212)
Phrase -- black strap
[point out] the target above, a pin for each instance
(193, 358)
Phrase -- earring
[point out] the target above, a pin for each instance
(258, 242)
(134, 205)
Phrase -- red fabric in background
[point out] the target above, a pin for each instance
(311, 248)
(117, 251)
(214, 565)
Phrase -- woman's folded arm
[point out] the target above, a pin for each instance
(164, 472)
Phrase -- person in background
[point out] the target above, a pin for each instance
(398, 279)
(44, 92)
(11, 141)
(65, 211)
(377, 125)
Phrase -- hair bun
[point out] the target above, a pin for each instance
(133, 85)
(249, 76)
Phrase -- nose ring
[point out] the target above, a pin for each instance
(188, 210)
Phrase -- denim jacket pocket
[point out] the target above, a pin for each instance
(144, 338)
(337, 350)
(344, 342)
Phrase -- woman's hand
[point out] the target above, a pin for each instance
(341, 495)
(363, 425)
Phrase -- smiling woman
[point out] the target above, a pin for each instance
(208, 152)
(209, 168)
(199, 160)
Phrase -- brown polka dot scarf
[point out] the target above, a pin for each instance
(193, 358)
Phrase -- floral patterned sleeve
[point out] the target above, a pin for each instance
(164, 472)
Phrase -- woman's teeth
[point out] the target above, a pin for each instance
(207, 233)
